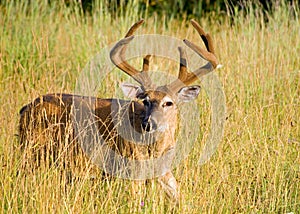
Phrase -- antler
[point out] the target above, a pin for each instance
(117, 56)
(185, 77)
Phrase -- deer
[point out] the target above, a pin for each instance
(152, 110)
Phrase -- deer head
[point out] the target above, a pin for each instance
(160, 102)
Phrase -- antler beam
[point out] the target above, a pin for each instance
(117, 56)
(185, 77)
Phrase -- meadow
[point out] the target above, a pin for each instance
(256, 169)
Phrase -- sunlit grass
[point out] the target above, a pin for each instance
(43, 49)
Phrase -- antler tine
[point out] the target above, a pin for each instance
(208, 54)
(147, 83)
(134, 27)
(146, 63)
(205, 37)
(183, 63)
(117, 56)
(185, 77)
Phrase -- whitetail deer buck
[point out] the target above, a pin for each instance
(153, 110)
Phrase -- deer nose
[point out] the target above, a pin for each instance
(149, 125)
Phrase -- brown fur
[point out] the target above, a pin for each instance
(51, 115)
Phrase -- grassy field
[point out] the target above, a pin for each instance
(256, 169)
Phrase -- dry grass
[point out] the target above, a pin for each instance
(257, 166)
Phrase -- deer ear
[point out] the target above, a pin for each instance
(188, 93)
(131, 90)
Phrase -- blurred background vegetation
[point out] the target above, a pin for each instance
(178, 9)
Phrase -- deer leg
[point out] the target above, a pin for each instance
(170, 186)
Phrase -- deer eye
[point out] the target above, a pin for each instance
(168, 104)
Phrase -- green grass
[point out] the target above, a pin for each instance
(256, 169)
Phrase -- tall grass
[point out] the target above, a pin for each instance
(44, 48)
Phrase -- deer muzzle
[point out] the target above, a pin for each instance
(149, 124)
